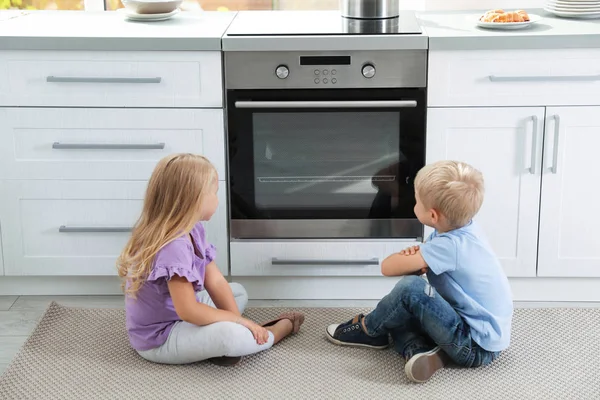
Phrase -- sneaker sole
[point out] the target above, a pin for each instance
(422, 367)
(340, 343)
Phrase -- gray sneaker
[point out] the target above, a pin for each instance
(422, 366)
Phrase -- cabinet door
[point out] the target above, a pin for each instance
(505, 145)
(104, 143)
(79, 227)
(161, 79)
(569, 219)
(67, 227)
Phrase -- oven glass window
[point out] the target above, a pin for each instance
(344, 164)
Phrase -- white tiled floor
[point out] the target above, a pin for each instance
(19, 314)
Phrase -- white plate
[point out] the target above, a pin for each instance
(575, 8)
(509, 25)
(575, 2)
(146, 17)
(565, 14)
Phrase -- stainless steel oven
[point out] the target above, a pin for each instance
(325, 144)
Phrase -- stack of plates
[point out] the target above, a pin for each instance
(150, 10)
(574, 8)
(133, 16)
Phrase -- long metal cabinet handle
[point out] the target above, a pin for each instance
(277, 261)
(86, 79)
(532, 168)
(554, 167)
(551, 78)
(107, 146)
(93, 229)
(328, 104)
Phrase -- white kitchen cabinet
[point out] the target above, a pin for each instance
(78, 227)
(67, 227)
(541, 77)
(104, 143)
(505, 145)
(111, 79)
(569, 243)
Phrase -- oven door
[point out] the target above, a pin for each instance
(325, 163)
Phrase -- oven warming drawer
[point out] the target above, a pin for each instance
(312, 258)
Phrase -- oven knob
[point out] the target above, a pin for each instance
(368, 71)
(282, 72)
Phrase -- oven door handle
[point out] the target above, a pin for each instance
(308, 262)
(328, 104)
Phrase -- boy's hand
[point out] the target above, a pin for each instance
(410, 251)
(407, 262)
(422, 271)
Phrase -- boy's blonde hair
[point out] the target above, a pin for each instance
(455, 189)
(172, 206)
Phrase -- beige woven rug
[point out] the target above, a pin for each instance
(84, 354)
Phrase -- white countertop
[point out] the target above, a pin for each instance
(80, 30)
(197, 31)
(458, 31)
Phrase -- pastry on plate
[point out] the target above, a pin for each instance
(501, 16)
(523, 15)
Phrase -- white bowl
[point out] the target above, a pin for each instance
(151, 7)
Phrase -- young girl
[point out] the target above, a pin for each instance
(179, 307)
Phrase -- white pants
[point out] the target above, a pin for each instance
(189, 343)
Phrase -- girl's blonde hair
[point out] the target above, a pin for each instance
(172, 206)
(454, 188)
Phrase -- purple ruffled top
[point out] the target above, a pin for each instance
(151, 315)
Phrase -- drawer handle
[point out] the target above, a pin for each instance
(534, 144)
(83, 79)
(554, 167)
(107, 146)
(94, 229)
(277, 261)
(555, 78)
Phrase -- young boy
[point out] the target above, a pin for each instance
(464, 313)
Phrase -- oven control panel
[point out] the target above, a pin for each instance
(326, 75)
(305, 70)
(325, 71)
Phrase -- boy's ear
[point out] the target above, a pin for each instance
(435, 215)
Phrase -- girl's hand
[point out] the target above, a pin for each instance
(261, 335)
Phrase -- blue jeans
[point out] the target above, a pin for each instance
(419, 319)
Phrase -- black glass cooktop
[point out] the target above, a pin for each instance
(319, 23)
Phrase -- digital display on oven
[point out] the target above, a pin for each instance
(325, 60)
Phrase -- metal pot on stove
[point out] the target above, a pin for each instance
(370, 9)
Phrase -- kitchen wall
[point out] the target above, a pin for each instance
(334, 4)
(472, 4)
